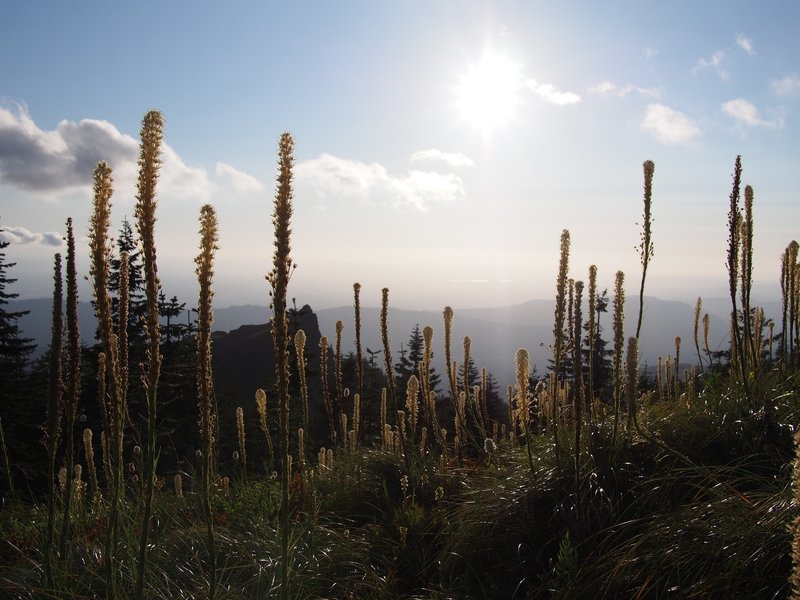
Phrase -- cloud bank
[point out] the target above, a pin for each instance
(241, 181)
(608, 88)
(63, 159)
(746, 113)
(335, 178)
(22, 235)
(552, 94)
(668, 126)
(455, 159)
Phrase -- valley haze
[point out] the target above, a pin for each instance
(496, 332)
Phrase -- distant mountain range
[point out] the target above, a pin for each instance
(496, 333)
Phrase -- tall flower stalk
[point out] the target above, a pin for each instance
(619, 341)
(646, 248)
(734, 233)
(111, 394)
(592, 326)
(72, 375)
(387, 351)
(558, 326)
(149, 162)
(577, 365)
(279, 281)
(300, 351)
(52, 428)
(359, 354)
(205, 385)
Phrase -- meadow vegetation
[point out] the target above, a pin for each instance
(376, 483)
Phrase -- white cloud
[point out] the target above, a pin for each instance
(241, 181)
(552, 94)
(745, 43)
(22, 235)
(715, 63)
(787, 85)
(455, 159)
(746, 113)
(649, 53)
(64, 159)
(668, 125)
(608, 88)
(332, 177)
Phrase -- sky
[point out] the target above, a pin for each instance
(440, 147)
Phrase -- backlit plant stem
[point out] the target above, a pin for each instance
(279, 280)
(52, 428)
(205, 385)
(646, 247)
(149, 162)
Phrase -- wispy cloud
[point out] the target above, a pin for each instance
(715, 63)
(608, 88)
(241, 181)
(22, 235)
(746, 113)
(335, 178)
(552, 94)
(786, 85)
(455, 159)
(63, 159)
(668, 125)
(649, 53)
(746, 44)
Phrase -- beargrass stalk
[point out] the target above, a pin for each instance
(592, 325)
(112, 399)
(387, 352)
(261, 407)
(577, 365)
(646, 248)
(205, 384)
(88, 450)
(149, 162)
(465, 380)
(632, 385)
(425, 374)
(299, 348)
(279, 280)
(558, 327)
(448, 358)
(619, 340)
(72, 379)
(696, 333)
(522, 400)
(52, 427)
(338, 408)
(359, 354)
(746, 274)
(734, 243)
(326, 396)
(241, 438)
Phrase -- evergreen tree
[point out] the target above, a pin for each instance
(20, 416)
(14, 348)
(410, 357)
(602, 354)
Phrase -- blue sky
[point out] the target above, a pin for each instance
(441, 147)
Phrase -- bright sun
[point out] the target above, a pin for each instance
(487, 93)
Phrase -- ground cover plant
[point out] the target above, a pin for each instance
(343, 479)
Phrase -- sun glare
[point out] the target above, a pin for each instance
(488, 91)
